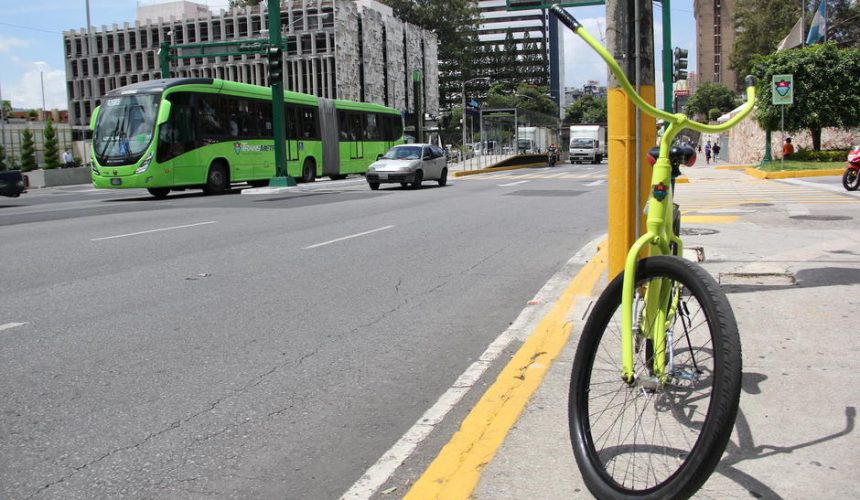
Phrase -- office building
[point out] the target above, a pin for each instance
(715, 38)
(333, 48)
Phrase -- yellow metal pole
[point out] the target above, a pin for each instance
(623, 148)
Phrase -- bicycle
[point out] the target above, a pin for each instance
(654, 394)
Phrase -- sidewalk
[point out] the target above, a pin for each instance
(791, 270)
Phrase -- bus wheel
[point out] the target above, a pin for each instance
(309, 171)
(216, 180)
(159, 193)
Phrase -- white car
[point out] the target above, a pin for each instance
(409, 164)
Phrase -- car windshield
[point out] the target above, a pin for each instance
(124, 128)
(403, 153)
(581, 143)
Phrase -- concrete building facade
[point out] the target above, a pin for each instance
(333, 48)
(715, 38)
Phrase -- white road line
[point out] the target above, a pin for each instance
(348, 237)
(512, 184)
(595, 183)
(7, 326)
(816, 185)
(155, 230)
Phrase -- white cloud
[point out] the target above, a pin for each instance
(8, 43)
(27, 91)
(581, 62)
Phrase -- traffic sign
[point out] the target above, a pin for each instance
(782, 90)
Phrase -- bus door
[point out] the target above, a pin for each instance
(178, 145)
(356, 132)
(293, 128)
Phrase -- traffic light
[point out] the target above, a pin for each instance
(276, 65)
(680, 64)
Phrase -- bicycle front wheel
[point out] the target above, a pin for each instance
(661, 436)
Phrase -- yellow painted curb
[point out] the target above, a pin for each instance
(682, 180)
(709, 219)
(791, 174)
(732, 167)
(463, 173)
(455, 472)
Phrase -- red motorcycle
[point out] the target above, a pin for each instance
(851, 177)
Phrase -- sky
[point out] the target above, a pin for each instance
(31, 43)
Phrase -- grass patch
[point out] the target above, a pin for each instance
(791, 165)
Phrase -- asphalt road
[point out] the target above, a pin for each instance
(248, 346)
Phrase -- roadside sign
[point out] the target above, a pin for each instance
(782, 90)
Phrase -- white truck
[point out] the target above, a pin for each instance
(532, 140)
(587, 143)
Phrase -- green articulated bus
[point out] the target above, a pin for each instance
(204, 133)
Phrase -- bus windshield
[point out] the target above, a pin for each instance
(124, 129)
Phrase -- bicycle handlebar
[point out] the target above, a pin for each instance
(678, 119)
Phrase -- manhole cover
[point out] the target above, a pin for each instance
(756, 204)
(820, 217)
(697, 231)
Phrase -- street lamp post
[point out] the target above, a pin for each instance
(463, 118)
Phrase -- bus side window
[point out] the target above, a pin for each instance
(343, 125)
(372, 129)
(292, 117)
(264, 112)
(310, 130)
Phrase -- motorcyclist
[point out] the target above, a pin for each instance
(552, 155)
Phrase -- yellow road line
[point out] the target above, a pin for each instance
(455, 472)
(709, 219)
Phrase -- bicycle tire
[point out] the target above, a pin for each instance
(683, 469)
(851, 179)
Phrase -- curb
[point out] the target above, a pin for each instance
(790, 174)
(463, 173)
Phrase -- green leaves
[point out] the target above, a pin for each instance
(826, 93)
(586, 109)
(710, 96)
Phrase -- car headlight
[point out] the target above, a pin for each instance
(145, 165)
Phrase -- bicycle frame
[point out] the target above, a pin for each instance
(660, 303)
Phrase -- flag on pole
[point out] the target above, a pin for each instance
(818, 28)
(794, 37)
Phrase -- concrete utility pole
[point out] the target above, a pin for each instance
(628, 189)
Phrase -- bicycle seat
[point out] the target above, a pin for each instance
(678, 155)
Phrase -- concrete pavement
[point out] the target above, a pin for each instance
(788, 257)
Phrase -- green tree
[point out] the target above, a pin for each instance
(842, 23)
(509, 67)
(709, 96)
(7, 109)
(826, 89)
(28, 151)
(586, 109)
(52, 151)
(33, 114)
(759, 33)
(3, 158)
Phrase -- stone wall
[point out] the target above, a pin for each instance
(396, 59)
(413, 62)
(372, 58)
(431, 73)
(347, 54)
(746, 141)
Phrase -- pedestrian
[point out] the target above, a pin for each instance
(708, 153)
(716, 150)
(68, 160)
(787, 148)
